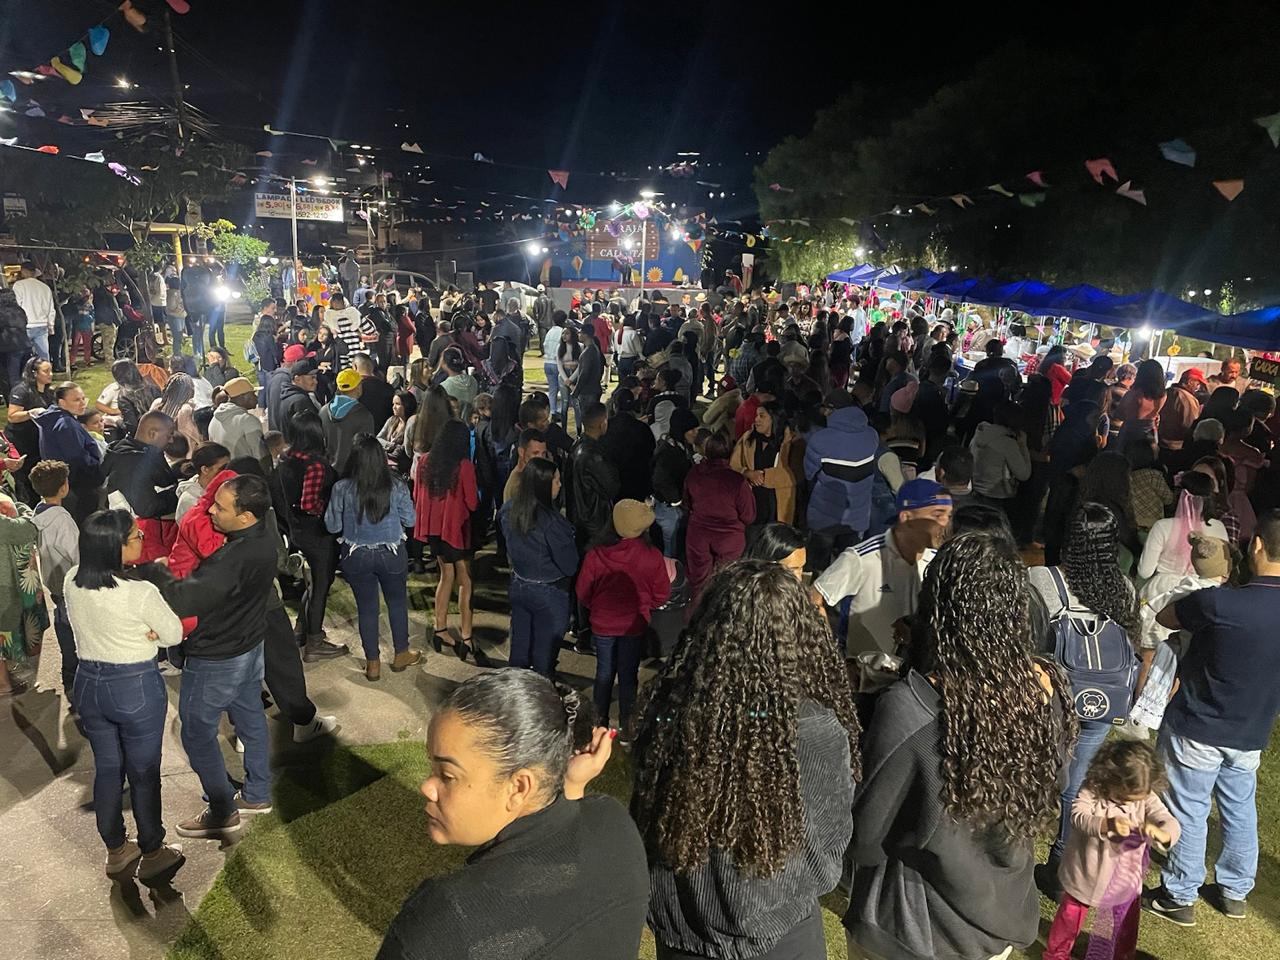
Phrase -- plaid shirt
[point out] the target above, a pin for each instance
(314, 496)
(1150, 495)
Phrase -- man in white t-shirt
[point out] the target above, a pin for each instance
(36, 300)
(882, 575)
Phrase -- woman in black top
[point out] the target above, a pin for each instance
(554, 875)
(962, 761)
(328, 350)
(28, 398)
(745, 762)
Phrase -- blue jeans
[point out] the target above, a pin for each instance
(66, 645)
(217, 336)
(234, 686)
(1197, 774)
(122, 709)
(669, 520)
(553, 387)
(539, 619)
(195, 327)
(367, 569)
(177, 327)
(39, 341)
(1092, 734)
(620, 657)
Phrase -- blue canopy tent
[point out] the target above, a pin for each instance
(861, 275)
(1253, 330)
(914, 280)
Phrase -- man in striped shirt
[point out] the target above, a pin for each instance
(344, 321)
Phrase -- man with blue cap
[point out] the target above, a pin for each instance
(882, 575)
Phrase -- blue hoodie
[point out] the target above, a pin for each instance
(63, 438)
(839, 462)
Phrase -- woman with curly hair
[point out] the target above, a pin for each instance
(745, 760)
(1091, 589)
(962, 759)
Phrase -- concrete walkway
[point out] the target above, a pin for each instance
(58, 902)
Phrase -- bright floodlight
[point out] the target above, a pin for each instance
(319, 181)
(533, 249)
(1191, 294)
(626, 244)
(1208, 292)
(647, 194)
(123, 83)
(275, 261)
(546, 249)
(222, 293)
(1144, 333)
(615, 207)
(860, 252)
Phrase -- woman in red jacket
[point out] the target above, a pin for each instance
(720, 505)
(444, 496)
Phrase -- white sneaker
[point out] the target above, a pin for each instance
(305, 732)
(237, 742)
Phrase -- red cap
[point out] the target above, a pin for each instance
(294, 352)
(1193, 374)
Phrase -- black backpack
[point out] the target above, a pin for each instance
(1098, 659)
(13, 324)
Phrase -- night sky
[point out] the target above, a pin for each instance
(606, 87)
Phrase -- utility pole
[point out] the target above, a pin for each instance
(179, 101)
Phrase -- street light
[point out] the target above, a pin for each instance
(1191, 294)
(860, 252)
(647, 194)
(532, 248)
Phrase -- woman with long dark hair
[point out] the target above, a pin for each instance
(127, 397)
(764, 456)
(1139, 409)
(1054, 369)
(119, 624)
(543, 558)
(444, 496)
(369, 511)
(511, 755)
(740, 850)
(329, 352)
(433, 413)
(962, 758)
(782, 544)
(395, 431)
(306, 481)
(567, 356)
(1091, 589)
(27, 400)
(178, 401)
(1107, 480)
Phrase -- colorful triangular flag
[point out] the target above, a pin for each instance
(560, 178)
(1178, 151)
(180, 6)
(263, 153)
(309, 162)
(410, 147)
(479, 157)
(95, 157)
(34, 110)
(46, 71)
(1126, 190)
(98, 37)
(7, 91)
(999, 188)
(1271, 124)
(1100, 166)
(1031, 199)
(1229, 188)
(848, 221)
(924, 208)
(961, 200)
(68, 73)
(78, 54)
(133, 16)
(1037, 177)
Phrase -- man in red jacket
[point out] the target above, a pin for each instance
(621, 583)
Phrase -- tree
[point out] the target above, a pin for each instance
(859, 177)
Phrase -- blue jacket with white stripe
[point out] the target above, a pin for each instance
(839, 463)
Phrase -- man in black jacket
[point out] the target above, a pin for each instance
(628, 445)
(136, 468)
(375, 393)
(296, 395)
(586, 387)
(223, 666)
(593, 481)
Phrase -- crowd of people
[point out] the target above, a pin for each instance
(812, 523)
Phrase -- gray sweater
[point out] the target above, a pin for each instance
(58, 546)
(1000, 461)
(717, 911)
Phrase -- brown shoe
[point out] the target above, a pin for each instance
(208, 827)
(405, 659)
(373, 670)
(161, 864)
(120, 861)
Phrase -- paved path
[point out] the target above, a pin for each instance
(59, 904)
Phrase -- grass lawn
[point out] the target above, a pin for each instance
(325, 874)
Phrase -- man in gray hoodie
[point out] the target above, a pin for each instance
(1000, 456)
(343, 418)
(234, 425)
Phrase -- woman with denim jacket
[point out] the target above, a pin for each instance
(370, 511)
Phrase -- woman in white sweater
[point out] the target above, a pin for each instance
(119, 623)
